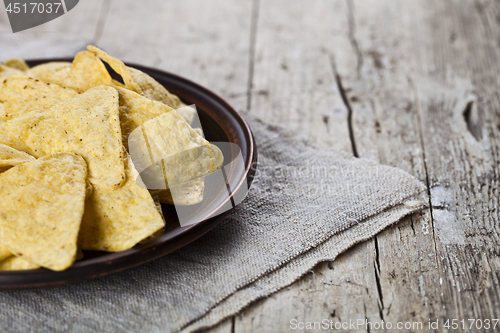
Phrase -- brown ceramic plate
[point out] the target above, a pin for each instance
(221, 123)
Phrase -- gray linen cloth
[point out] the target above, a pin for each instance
(306, 205)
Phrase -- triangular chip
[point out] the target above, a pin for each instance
(21, 93)
(4, 253)
(135, 110)
(162, 136)
(10, 157)
(142, 83)
(86, 71)
(18, 64)
(190, 193)
(88, 125)
(6, 72)
(14, 263)
(116, 220)
(53, 72)
(42, 208)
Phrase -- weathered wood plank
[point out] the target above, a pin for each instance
(435, 70)
(389, 76)
(294, 84)
(205, 41)
(386, 128)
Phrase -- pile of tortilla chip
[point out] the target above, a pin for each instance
(67, 180)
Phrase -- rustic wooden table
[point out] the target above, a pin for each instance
(413, 84)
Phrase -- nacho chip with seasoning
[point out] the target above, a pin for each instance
(88, 125)
(4, 253)
(187, 194)
(144, 84)
(6, 72)
(158, 138)
(14, 263)
(172, 143)
(86, 71)
(42, 207)
(19, 93)
(18, 64)
(116, 220)
(10, 157)
(52, 72)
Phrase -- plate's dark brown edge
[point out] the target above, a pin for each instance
(116, 262)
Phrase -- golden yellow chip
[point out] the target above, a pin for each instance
(18, 64)
(135, 110)
(4, 253)
(88, 125)
(42, 208)
(14, 263)
(138, 81)
(21, 93)
(10, 157)
(164, 145)
(53, 72)
(116, 220)
(86, 71)
(6, 72)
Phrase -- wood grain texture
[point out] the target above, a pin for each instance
(423, 98)
(205, 41)
(293, 83)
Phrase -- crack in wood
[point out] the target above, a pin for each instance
(366, 318)
(427, 180)
(376, 266)
(253, 41)
(351, 34)
(412, 226)
(343, 94)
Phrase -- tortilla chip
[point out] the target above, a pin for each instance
(88, 125)
(6, 72)
(14, 263)
(187, 113)
(52, 72)
(2, 109)
(42, 208)
(182, 153)
(138, 81)
(86, 71)
(164, 145)
(18, 64)
(116, 220)
(190, 193)
(135, 110)
(21, 93)
(4, 253)
(10, 157)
